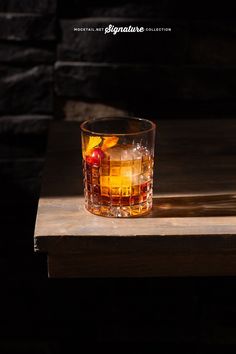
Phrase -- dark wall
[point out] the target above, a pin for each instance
(47, 68)
(48, 71)
(190, 69)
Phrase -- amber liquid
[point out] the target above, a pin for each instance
(118, 187)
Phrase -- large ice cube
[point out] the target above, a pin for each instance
(115, 153)
(125, 161)
(125, 152)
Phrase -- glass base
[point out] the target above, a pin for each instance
(120, 211)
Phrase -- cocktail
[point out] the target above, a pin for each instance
(118, 157)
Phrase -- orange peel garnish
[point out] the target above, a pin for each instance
(93, 142)
(109, 142)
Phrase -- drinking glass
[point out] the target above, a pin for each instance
(118, 158)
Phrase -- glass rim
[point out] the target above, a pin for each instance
(109, 118)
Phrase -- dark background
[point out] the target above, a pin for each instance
(48, 71)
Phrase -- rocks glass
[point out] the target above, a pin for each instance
(118, 157)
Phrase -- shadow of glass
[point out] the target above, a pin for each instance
(193, 206)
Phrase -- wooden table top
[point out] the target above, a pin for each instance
(194, 209)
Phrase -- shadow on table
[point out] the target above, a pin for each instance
(190, 206)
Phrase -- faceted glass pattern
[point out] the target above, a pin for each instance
(118, 173)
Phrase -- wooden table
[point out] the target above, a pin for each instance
(191, 230)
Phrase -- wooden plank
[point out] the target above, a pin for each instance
(65, 225)
(194, 214)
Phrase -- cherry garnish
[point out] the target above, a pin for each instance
(96, 156)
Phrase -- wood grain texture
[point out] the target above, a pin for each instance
(190, 231)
